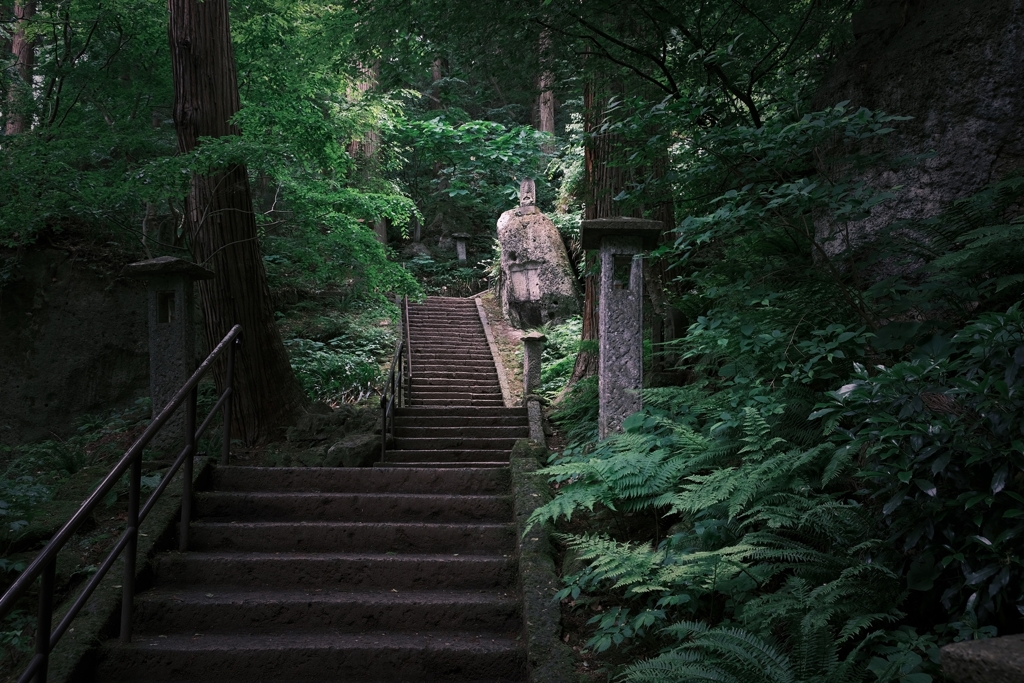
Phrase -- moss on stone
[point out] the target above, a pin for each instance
(549, 659)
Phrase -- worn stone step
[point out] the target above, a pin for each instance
(362, 480)
(322, 656)
(449, 356)
(463, 399)
(450, 374)
(443, 363)
(337, 571)
(466, 411)
(238, 506)
(453, 394)
(458, 401)
(446, 347)
(469, 321)
(460, 422)
(459, 321)
(401, 537)
(451, 331)
(467, 380)
(446, 431)
(456, 443)
(210, 609)
(446, 455)
(479, 364)
(496, 465)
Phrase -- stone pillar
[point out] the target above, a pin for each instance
(533, 346)
(460, 246)
(619, 314)
(172, 337)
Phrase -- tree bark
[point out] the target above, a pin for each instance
(222, 225)
(546, 93)
(604, 179)
(20, 94)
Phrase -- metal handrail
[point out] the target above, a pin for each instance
(44, 565)
(408, 337)
(396, 387)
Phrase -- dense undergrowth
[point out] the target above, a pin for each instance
(840, 490)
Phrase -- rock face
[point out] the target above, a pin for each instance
(537, 285)
(996, 660)
(953, 65)
(71, 342)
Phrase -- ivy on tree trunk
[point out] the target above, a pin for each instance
(221, 222)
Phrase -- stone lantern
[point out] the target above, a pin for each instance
(172, 335)
(460, 245)
(621, 242)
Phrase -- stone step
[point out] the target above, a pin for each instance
(476, 364)
(496, 465)
(462, 401)
(467, 456)
(429, 362)
(384, 537)
(442, 333)
(238, 506)
(447, 374)
(455, 393)
(450, 351)
(335, 571)
(465, 324)
(362, 480)
(457, 422)
(467, 380)
(455, 443)
(461, 412)
(445, 431)
(219, 609)
(449, 356)
(431, 656)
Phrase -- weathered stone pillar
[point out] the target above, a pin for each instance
(172, 336)
(460, 245)
(619, 313)
(533, 347)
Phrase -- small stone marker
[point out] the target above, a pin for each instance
(537, 284)
(172, 336)
(533, 347)
(460, 245)
(619, 314)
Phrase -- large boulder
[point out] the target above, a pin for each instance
(537, 285)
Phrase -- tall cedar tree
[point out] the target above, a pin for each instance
(24, 57)
(222, 226)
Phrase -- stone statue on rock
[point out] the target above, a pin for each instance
(537, 285)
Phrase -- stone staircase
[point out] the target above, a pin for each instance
(401, 572)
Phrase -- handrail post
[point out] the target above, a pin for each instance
(186, 474)
(44, 623)
(131, 548)
(225, 447)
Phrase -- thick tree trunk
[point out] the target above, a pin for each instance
(605, 177)
(20, 94)
(546, 93)
(222, 226)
